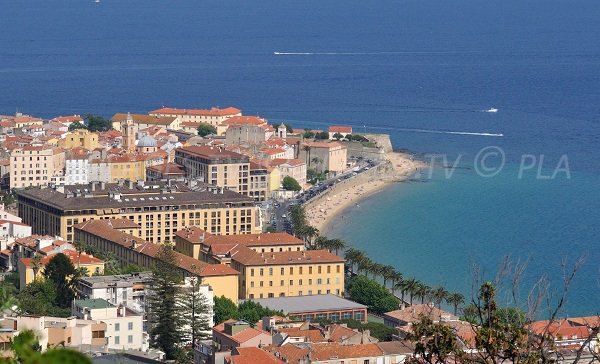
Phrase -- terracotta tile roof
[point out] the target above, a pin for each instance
(290, 353)
(396, 347)
(143, 119)
(326, 351)
(412, 313)
(291, 162)
(241, 336)
(249, 257)
(328, 145)
(195, 235)
(2, 222)
(67, 119)
(312, 335)
(215, 111)
(248, 120)
(213, 153)
(167, 168)
(562, 329)
(252, 355)
(84, 259)
(340, 129)
(272, 151)
(338, 332)
(31, 241)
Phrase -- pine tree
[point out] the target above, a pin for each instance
(195, 308)
(166, 319)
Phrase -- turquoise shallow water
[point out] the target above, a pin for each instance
(436, 229)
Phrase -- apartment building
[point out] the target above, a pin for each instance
(295, 168)
(199, 244)
(216, 166)
(27, 271)
(32, 166)
(142, 121)
(130, 249)
(124, 327)
(80, 138)
(288, 273)
(71, 332)
(214, 116)
(160, 208)
(324, 156)
(129, 290)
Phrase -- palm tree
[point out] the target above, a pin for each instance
(365, 265)
(36, 264)
(455, 299)
(321, 242)
(376, 269)
(336, 245)
(422, 292)
(354, 256)
(410, 286)
(387, 273)
(316, 161)
(395, 277)
(306, 148)
(439, 294)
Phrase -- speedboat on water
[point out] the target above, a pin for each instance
(493, 109)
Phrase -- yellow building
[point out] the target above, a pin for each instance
(215, 116)
(216, 165)
(142, 121)
(324, 156)
(133, 167)
(130, 249)
(160, 208)
(92, 264)
(32, 166)
(270, 264)
(288, 273)
(80, 138)
(199, 244)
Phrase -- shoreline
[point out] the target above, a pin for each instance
(322, 211)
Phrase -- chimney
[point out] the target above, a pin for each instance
(102, 185)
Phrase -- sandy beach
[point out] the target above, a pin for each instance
(323, 209)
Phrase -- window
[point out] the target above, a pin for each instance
(319, 269)
(300, 270)
(252, 284)
(270, 271)
(252, 272)
(337, 268)
(262, 271)
(130, 326)
(281, 283)
(97, 334)
(309, 270)
(117, 340)
(291, 270)
(328, 269)
(282, 271)
(117, 327)
(319, 281)
(291, 282)
(130, 339)
(261, 283)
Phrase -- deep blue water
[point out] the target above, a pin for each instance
(393, 66)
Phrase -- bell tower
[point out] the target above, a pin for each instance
(128, 131)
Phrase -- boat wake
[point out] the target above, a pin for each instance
(365, 53)
(450, 132)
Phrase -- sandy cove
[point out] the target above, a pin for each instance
(324, 208)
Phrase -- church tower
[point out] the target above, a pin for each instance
(128, 131)
(282, 131)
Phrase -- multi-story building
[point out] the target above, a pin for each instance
(165, 171)
(324, 156)
(215, 116)
(27, 271)
(124, 327)
(80, 138)
(258, 188)
(248, 134)
(295, 168)
(160, 208)
(32, 166)
(130, 249)
(71, 332)
(76, 168)
(217, 166)
(142, 121)
(288, 273)
(199, 244)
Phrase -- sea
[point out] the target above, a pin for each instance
(523, 181)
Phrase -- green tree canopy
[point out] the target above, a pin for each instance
(323, 135)
(205, 129)
(223, 309)
(290, 184)
(308, 134)
(337, 136)
(76, 125)
(368, 292)
(97, 123)
(39, 298)
(63, 274)
(25, 348)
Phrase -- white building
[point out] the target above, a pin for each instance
(124, 327)
(77, 169)
(5, 215)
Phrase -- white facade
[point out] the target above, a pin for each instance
(99, 171)
(77, 171)
(5, 215)
(124, 329)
